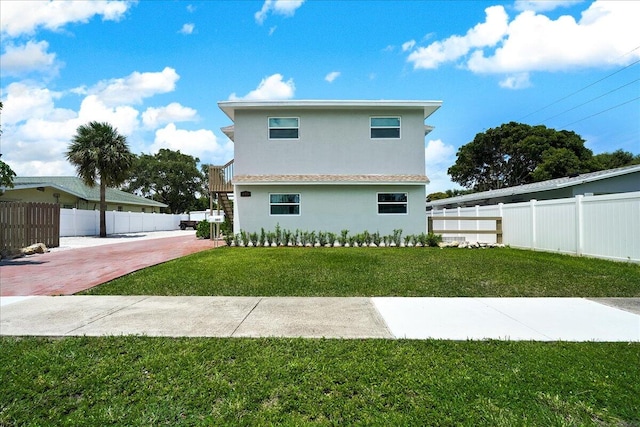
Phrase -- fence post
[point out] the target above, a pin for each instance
(534, 240)
(500, 237)
(579, 227)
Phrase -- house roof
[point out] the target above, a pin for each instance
(536, 187)
(230, 107)
(74, 185)
(334, 179)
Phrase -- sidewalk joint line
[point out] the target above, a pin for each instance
(245, 317)
(107, 314)
(512, 318)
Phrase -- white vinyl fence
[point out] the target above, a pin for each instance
(599, 226)
(78, 222)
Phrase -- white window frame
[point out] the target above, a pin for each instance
(371, 127)
(298, 204)
(269, 127)
(379, 203)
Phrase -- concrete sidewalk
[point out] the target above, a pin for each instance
(539, 319)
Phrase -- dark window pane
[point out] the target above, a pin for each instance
(385, 132)
(285, 198)
(385, 121)
(280, 122)
(285, 209)
(283, 133)
(400, 208)
(392, 197)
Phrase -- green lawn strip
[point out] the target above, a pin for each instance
(163, 381)
(381, 272)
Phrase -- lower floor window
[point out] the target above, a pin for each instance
(284, 204)
(392, 203)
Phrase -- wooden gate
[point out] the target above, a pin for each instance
(23, 224)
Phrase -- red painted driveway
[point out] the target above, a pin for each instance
(70, 271)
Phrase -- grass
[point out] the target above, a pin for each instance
(199, 381)
(381, 272)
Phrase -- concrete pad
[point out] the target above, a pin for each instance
(570, 319)
(11, 300)
(540, 319)
(450, 318)
(174, 317)
(57, 316)
(631, 305)
(314, 318)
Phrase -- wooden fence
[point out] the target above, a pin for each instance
(23, 224)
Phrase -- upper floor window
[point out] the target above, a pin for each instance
(283, 127)
(284, 204)
(385, 127)
(392, 203)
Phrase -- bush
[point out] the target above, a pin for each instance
(432, 240)
(203, 230)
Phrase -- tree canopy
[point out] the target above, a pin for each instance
(100, 154)
(169, 177)
(6, 173)
(517, 153)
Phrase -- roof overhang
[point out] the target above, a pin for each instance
(331, 179)
(230, 107)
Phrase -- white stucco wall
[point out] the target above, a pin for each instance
(330, 208)
(330, 142)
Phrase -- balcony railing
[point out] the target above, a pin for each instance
(220, 178)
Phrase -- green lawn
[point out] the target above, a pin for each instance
(160, 381)
(381, 272)
(201, 381)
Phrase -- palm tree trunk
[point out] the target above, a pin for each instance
(103, 209)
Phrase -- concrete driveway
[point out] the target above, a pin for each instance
(84, 262)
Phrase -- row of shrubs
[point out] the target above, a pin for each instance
(280, 237)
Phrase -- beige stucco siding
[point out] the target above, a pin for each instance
(330, 208)
(330, 142)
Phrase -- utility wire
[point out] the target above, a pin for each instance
(586, 102)
(586, 87)
(600, 112)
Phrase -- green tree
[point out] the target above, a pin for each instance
(100, 154)
(617, 159)
(169, 177)
(6, 173)
(511, 153)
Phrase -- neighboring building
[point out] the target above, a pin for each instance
(70, 192)
(327, 165)
(620, 180)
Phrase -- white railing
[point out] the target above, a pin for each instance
(599, 226)
(78, 222)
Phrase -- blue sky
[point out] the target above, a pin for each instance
(156, 69)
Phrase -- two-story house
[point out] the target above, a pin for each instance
(329, 165)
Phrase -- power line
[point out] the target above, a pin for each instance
(600, 112)
(585, 87)
(591, 100)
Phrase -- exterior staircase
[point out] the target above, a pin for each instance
(220, 184)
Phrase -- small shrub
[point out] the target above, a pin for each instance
(203, 230)
(344, 237)
(397, 237)
(331, 238)
(263, 236)
(432, 240)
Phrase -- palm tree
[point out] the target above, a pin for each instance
(100, 154)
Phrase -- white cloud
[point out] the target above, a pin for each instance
(438, 158)
(277, 7)
(272, 87)
(200, 143)
(174, 112)
(544, 5)
(485, 34)
(187, 29)
(133, 88)
(23, 101)
(191, 8)
(23, 59)
(516, 81)
(535, 42)
(408, 45)
(25, 17)
(332, 76)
